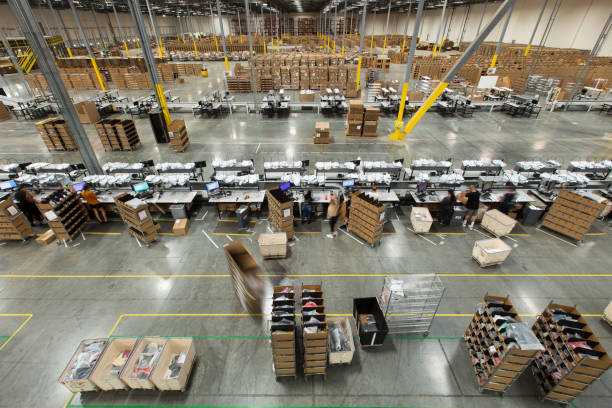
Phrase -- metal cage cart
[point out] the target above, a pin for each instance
(409, 302)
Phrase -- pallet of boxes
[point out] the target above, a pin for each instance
(179, 140)
(13, 223)
(367, 217)
(135, 213)
(116, 134)
(370, 122)
(280, 206)
(65, 213)
(321, 135)
(56, 134)
(354, 119)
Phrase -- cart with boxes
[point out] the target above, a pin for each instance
(273, 246)
(421, 219)
(489, 252)
(497, 223)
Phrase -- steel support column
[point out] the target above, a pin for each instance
(535, 28)
(398, 134)
(251, 63)
(123, 37)
(46, 62)
(501, 39)
(154, 29)
(406, 26)
(15, 62)
(484, 10)
(361, 37)
(343, 27)
(505, 7)
(91, 55)
(222, 36)
(439, 29)
(93, 13)
(387, 28)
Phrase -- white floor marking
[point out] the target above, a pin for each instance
(560, 239)
(210, 239)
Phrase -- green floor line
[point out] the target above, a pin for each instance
(267, 337)
(223, 406)
(5, 340)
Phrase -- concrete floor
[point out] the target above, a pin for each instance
(107, 284)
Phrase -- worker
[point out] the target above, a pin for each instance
(92, 202)
(447, 207)
(508, 200)
(343, 212)
(332, 215)
(307, 208)
(472, 203)
(27, 205)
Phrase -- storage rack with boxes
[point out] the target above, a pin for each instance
(501, 347)
(410, 302)
(321, 135)
(135, 213)
(116, 134)
(56, 134)
(367, 217)
(283, 331)
(573, 357)
(281, 211)
(178, 135)
(314, 330)
(65, 212)
(13, 223)
(572, 214)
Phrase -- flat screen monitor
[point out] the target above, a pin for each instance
(79, 186)
(421, 187)
(139, 187)
(348, 183)
(487, 186)
(212, 186)
(285, 186)
(5, 185)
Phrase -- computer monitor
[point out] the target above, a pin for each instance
(285, 186)
(348, 183)
(212, 186)
(139, 187)
(79, 186)
(487, 186)
(5, 185)
(421, 187)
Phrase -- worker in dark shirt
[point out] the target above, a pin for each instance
(447, 205)
(472, 204)
(508, 200)
(27, 204)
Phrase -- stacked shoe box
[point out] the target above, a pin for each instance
(135, 213)
(321, 135)
(13, 223)
(281, 211)
(282, 331)
(367, 217)
(370, 122)
(314, 330)
(354, 118)
(178, 135)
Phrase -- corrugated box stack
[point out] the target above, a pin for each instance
(573, 214)
(244, 270)
(4, 113)
(314, 330)
(370, 122)
(273, 245)
(116, 134)
(321, 135)
(13, 223)
(65, 212)
(87, 111)
(366, 217)
(56, 134)
(178, 135)
(281, 211)
(135, 213)
(354, 118)
(282, 331)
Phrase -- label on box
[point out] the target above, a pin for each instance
(51, 215)
(382, 217)
(287, 212)
(12, 210)
(142, 215)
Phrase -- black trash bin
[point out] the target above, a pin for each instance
(371, 324)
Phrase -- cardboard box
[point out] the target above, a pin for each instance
(322, 127)
(181, 227)
(355, 107)
(46, 238)
(371, 114)
(87, 111)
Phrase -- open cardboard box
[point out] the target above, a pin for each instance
(128, 376)
(100, 376)
(160, 373)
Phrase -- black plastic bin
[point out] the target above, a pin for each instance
(364, 306)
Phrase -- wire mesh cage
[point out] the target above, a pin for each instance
(410, 302)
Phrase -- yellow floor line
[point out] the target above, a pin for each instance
(235, 221)
(102, 233)
(166, 233)
(307, 232)
(517, 235)
(389, 233)
(446, 233)
(29, 315)
(596, 233)
(239, 235)
(164, 219)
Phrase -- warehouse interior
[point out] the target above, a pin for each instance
(305, 203)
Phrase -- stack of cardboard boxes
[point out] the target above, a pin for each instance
(56, 134)
(4, 113)
(314, 330)
(13, 223)
(367, 217)
(281, 211)
(87, 111)
(354, 118)
(65, 212)
(282, 331)
(370, 122)
(116, 134)
(178, 135)
(245, 271)
(135, 213)
(321, 135)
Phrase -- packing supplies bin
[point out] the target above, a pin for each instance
(178, 211)
(180, 350)
(490, 251)
(137, 371)
(106, 374)
(421, 219)
(497, 223)
(371, 324)
(340, 356)
(81, 358)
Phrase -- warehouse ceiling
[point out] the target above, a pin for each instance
(203, 7)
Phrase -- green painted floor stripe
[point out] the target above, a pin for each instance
(223, 406)
(5, 340)
(267, 337)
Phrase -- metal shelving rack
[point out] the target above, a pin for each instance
(410, 302)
